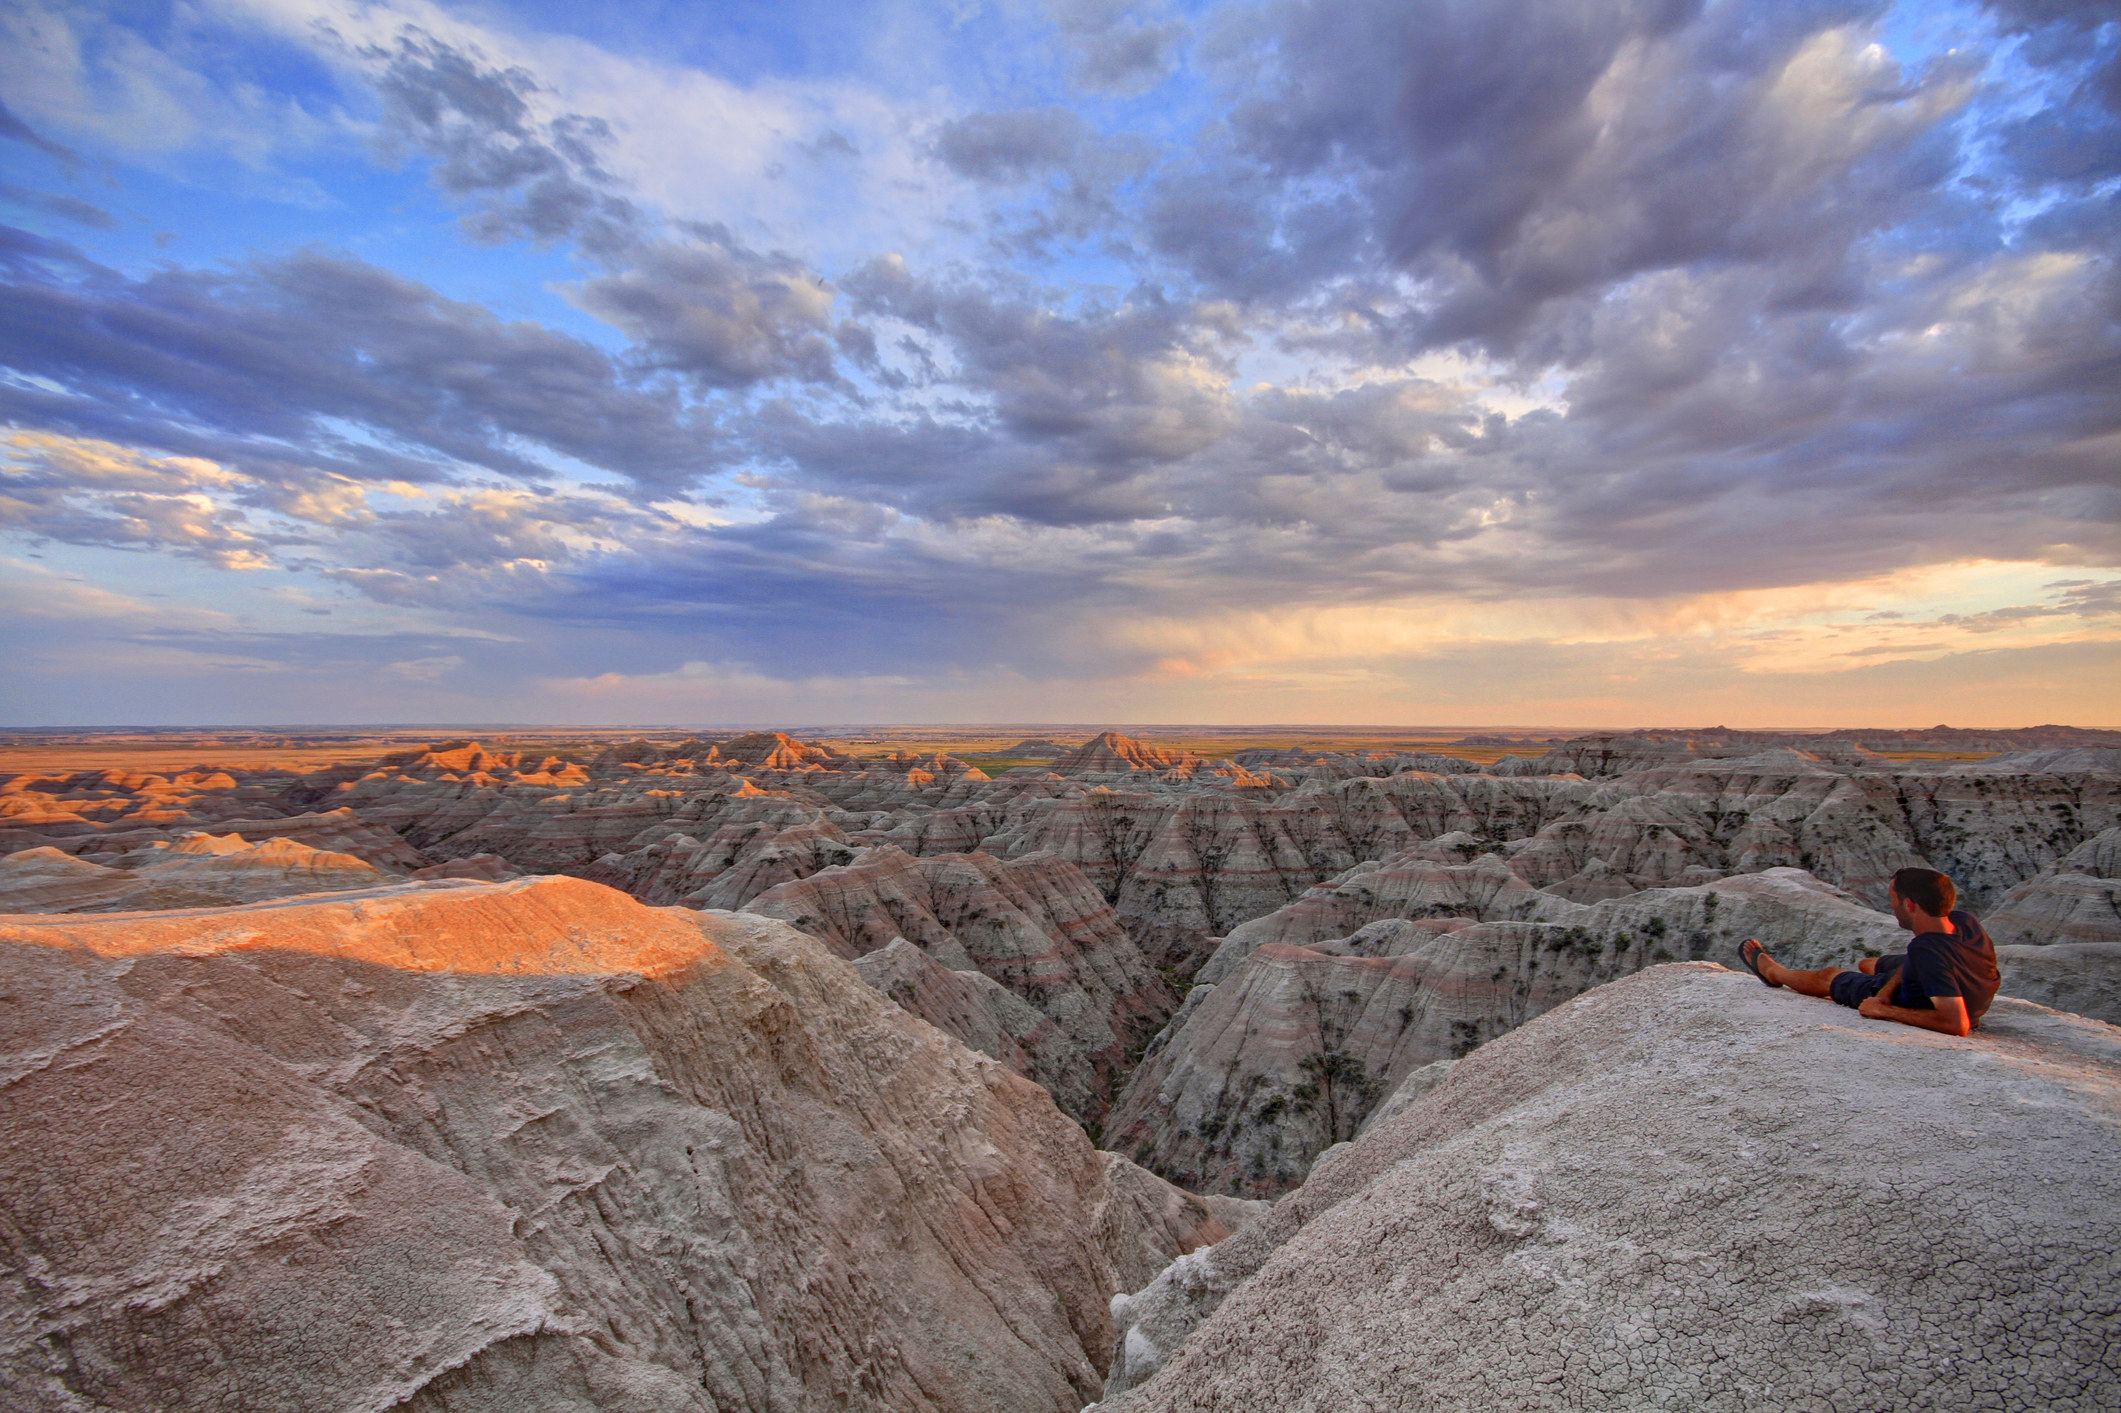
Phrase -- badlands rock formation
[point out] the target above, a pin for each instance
(1681, 1190)
(530, 1146)
(2083, 977)
(1307, 1034)
(198, 871)
(2075, 899)
(669, 1157)
(1110, 753)
(1466, 870)
(1034, 925)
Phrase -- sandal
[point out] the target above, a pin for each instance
(1750, 952)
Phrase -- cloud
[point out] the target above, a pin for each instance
(526, 175)
(325, 361)
(426, 669)
(1011, 146)
(1519, 157)
(1304, 348)
(52, 203)
(97, 494)
(1119, 49)
(723, 315)
(13, 129)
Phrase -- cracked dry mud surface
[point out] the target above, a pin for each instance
(1684, 1190)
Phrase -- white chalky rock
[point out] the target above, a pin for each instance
(1684, 1190)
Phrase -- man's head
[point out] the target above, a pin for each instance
(1922, 891)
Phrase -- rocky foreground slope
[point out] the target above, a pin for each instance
(530, 1146)
(1683, 1190)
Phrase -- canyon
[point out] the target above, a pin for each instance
(750, 1071)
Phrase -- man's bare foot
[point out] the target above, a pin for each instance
(1756, 959)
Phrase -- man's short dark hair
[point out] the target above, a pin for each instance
(1927, 889)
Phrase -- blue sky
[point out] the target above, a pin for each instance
(1410, 361)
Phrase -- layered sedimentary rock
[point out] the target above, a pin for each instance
(1289, 1054)
(1036, 746)
(1447, 877)
(1182, 868)
(1851, 824)
(2058, 934)
(1145, 1222)
(2065, 760)
(1110, 753)
(2077, 899)
(479, 868)
(74, 812)
(980, 1012)
(104, 815)
(1034, 925)
(545, 1081)
(1681, 1190)
(199, 871)
(2084, 977)
(525, 1146)
(1192, 857)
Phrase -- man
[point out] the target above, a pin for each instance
(1943, 982)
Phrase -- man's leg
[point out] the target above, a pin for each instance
(1804, 983)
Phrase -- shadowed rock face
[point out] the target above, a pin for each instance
(1033, 925)
(1184, 867)
(1853, 825)
(1681, 1189)
(2078, 899)
(2084, 977)
(1291, 1051)
(527, 1146)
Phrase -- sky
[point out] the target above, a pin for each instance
(1585, 362)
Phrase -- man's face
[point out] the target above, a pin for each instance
(1901, 913)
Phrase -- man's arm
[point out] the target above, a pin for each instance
(1946, 1015)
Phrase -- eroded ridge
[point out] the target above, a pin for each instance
(1684, 1190)
(530, 1145)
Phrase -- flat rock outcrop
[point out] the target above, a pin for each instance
(1034, 925)
(1680, 1190)
(525, 1146)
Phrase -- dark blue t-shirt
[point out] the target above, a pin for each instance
(1960, 963)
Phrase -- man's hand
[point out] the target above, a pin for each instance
(1946, 1014)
